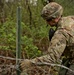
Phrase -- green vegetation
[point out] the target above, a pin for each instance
(34, 39)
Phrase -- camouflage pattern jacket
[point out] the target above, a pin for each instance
(61, 43)
(63, 37)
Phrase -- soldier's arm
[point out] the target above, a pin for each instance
(56, 48)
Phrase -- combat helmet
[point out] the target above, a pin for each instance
(52, 9)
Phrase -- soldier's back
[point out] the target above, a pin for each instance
(67, 26)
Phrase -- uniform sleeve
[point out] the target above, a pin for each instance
(56, 48)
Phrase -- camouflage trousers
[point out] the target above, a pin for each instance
(72, 68)
(67, 72)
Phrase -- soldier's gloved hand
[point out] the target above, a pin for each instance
(25, 64)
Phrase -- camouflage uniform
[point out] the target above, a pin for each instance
(62, 41)
(65, 26)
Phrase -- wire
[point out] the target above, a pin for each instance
(39, 64)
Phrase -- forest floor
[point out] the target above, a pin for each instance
(7, 66)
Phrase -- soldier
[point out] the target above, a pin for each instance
(62, 42)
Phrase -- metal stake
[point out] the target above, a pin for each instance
(18, 40)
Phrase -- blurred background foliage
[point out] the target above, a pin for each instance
(34, 31)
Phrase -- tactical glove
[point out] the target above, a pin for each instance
(25, 64)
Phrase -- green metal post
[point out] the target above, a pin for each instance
(18, 39)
